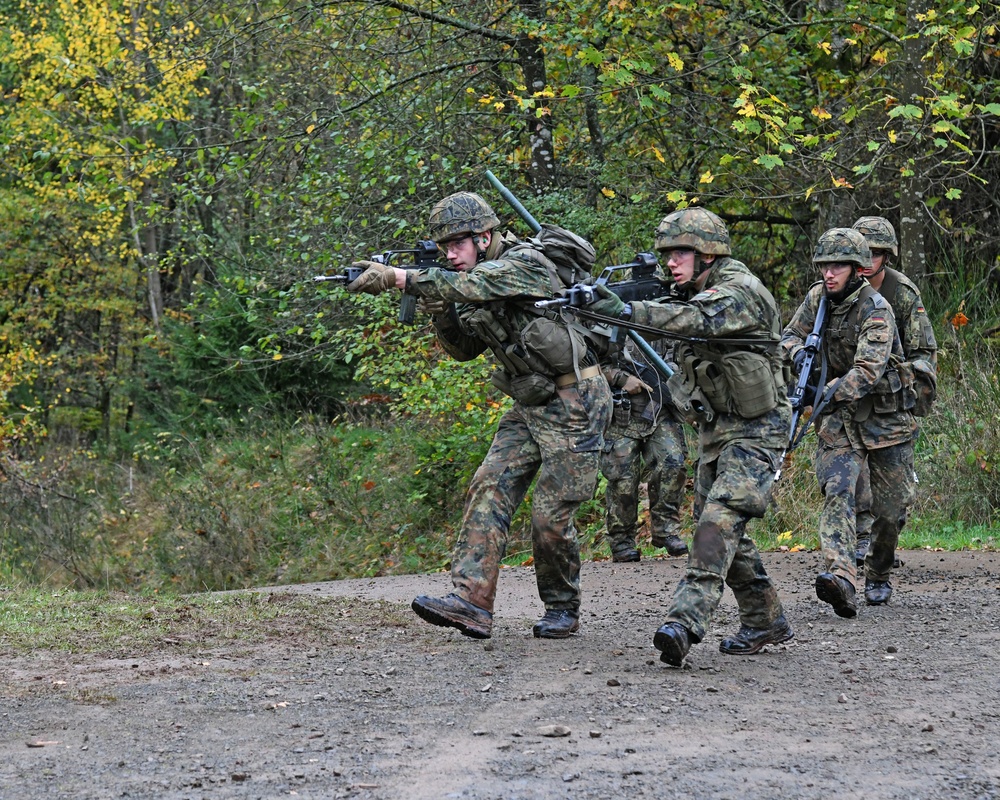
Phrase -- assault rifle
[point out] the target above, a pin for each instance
(423, 256)
(804, 393)
(644, 284)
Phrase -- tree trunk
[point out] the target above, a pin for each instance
(912, 230)
(538, 120)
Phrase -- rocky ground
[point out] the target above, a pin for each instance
(355, 697)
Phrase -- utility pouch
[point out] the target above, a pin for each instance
(712, 382)
(531, 390)
(752, 385)
(559, 345)
(621, 409)
(886, 395)
(485, 325)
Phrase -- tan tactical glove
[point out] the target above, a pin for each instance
(376, 278)
(633, 386)
(435, 308)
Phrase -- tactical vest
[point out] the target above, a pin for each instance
(745, 380)
(892, 392)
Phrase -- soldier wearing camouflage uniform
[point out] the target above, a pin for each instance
(863, 414)
(916, 335)
(646, 439)
(554, 429)
(732, 387)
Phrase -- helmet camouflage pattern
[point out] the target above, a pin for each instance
(694, 228)
(879, 233)
(460, 213)
(843, 245)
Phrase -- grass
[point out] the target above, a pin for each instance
(120, 624)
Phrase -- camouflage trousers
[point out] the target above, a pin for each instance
(731, 490)
(864, 519)
(892, 493)
(658, 455)
(559, 442)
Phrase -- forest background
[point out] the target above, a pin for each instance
(182, 408)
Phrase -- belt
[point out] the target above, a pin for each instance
(562, 381)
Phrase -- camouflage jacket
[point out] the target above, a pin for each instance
(506, 285)
(731, 303)
(861, 348)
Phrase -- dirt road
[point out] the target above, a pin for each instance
(360, 699)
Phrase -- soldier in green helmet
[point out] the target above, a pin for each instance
(731, 387)
(864, 414)
(554, 430)
(916, 335)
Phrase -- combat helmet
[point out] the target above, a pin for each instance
(461, 213)
(879, 233)
(695, 228)
(844, 245)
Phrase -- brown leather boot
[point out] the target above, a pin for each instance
(452, 611)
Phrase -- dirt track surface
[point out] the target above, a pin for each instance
(367, 701)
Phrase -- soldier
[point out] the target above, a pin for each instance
(554, 429)
(646, 435)
(862, 415)
(915, 333)
(731, 384)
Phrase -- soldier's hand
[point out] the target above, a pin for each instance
(609, 304)
(427, 305)
(797, 359)
(634, 385)
(376, 278)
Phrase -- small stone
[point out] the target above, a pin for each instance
(892, 649)
(570, 776)
(711, 689)
(595, 734)
(842, 698)
(927, 728)
(614, 682)
(553, 730)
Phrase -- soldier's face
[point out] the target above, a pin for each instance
(878, 259)
(681, 265)
(462, 252)
(836, 276)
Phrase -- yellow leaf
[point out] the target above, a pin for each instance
(784, 536)
(825, 47)
(310, 129)
(609, 193)
(842, 183)
(659, 156)
(892, 137)
(809, 191)
(880, 57)
(821, 113)
(498, 106)
(748, 110)
(277, 357)
(707, 177)
(675, 61)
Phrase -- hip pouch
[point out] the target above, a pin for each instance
(533, 389)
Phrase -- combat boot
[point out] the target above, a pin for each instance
(673, 641)
(555, 624)
(624, 553)
(452, 611)
(838, 592)
(748, 641)
(674, 544)
(877, 593)
(862, 550)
